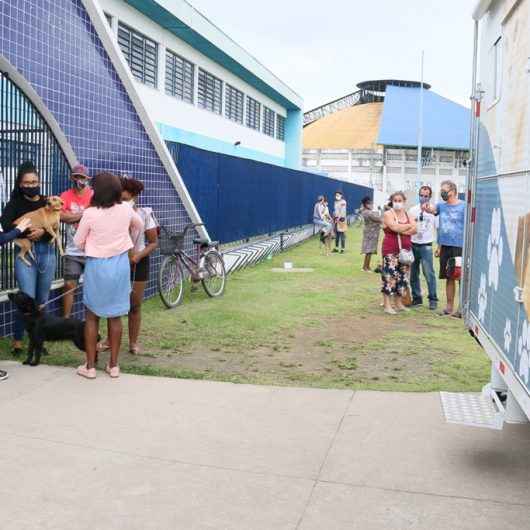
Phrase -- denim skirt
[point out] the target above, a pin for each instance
(107, 286)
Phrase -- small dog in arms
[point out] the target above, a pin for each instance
(48, 217)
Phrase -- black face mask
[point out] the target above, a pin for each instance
(30, 192)
(444, 195)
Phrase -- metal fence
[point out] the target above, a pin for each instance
(25, 135)
(239, 199)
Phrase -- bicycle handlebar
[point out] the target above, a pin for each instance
(191, 226)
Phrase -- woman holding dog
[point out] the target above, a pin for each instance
(104, 235)
(36, 275)
(397, 249)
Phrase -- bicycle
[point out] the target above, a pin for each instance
(209, 269)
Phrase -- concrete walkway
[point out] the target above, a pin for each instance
(147, 453)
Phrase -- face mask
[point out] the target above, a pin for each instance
(424, 200)
(397, 205)
(30, 192)
(445, 195)
(338, 197)
(80, 184)
(130, 202)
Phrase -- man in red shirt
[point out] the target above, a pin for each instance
(75, 200)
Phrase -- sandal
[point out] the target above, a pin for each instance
(135, 349)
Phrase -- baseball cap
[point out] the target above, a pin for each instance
(81, 170)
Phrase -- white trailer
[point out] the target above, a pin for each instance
(496, 285)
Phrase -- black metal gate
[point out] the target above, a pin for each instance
(25, 135)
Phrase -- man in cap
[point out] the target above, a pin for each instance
(75, 200)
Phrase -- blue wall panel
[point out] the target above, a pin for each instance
(239, 198)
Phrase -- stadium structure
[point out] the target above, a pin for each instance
(370, 137)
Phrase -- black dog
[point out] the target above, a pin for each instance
(42, 327)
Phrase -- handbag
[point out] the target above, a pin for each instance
(406, 257)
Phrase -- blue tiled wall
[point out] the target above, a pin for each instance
(55, 47)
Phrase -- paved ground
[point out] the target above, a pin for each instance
(147, 453)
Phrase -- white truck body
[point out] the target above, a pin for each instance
(496, 286)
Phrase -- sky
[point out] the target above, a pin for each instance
(323, 49)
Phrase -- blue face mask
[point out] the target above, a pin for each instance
(424, 200)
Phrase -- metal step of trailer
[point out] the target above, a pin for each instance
(473, 409)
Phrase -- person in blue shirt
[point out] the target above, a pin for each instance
(6, 237)
(452, 218)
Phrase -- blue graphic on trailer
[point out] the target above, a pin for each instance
(494, 279)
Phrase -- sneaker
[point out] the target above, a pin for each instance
(416, 302)
(88, 373)
(433, 305)
(342, 251)
(114, 372)
(3, 375)
(336, 250)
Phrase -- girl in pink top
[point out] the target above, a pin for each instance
(104, 235)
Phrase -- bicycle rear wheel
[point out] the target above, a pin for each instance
(215, 281)
(171, 282)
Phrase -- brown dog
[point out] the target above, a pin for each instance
(48, 217)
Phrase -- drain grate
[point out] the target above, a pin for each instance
(474, 410)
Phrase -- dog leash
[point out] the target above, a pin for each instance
(62, 295)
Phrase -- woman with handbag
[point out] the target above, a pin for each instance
(397, 252)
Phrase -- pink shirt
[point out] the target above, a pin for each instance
(104, 232)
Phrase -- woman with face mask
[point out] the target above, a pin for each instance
(398, 228)
(35, 279)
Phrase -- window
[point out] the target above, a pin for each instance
(253, 113)
(210, 92)
(280, 127)
(497, 69)
(234, 104)
(269, 118)
(179, 77)
(141, 53)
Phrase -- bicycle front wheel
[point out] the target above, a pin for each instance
(215, 280)
(171, 282)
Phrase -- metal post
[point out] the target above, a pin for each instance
(420, 127)
(476, 96)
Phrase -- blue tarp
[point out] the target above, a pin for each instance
(445, 123)
(239, 198)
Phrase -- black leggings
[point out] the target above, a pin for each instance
(340, 238)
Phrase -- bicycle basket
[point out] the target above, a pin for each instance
(168, 242)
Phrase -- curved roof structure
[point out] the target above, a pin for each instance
(351, 128)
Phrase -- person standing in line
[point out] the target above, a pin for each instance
(398, 228)
(320, 219)
(104, 235)
(451, 213)
(75, 201)
(341, 226)
(145, 243)
(36, 279)
(372, 226)
(422, 248)
(5, 238)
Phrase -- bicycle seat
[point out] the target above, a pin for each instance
(204, 242)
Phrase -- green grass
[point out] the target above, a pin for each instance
(320, 329)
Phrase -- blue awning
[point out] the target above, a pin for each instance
(445, 124)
